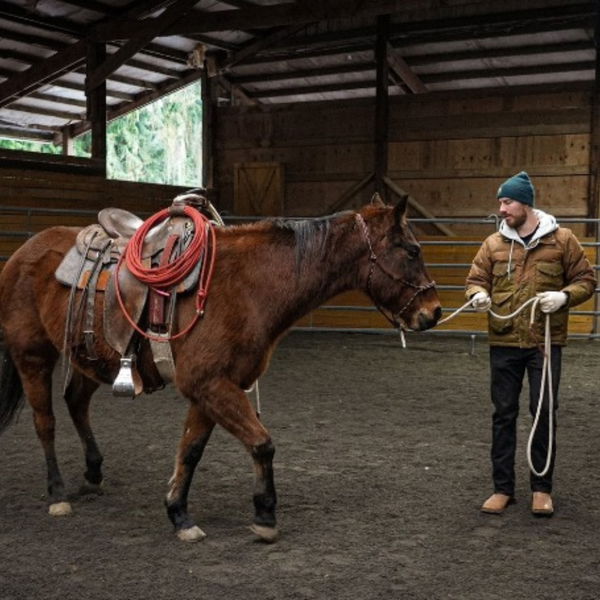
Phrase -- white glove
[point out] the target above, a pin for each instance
(551, 301)
(481, 301)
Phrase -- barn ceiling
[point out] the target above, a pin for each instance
(275, 51)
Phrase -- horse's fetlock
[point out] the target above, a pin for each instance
(264, 451)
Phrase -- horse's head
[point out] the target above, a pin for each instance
(393, 273)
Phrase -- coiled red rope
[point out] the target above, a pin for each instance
(163, 279)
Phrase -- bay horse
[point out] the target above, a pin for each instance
(267, 275)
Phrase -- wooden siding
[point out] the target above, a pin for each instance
(449, 152)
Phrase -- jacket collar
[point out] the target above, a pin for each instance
(547, 224)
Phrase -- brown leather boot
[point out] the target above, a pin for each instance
(496, 504)
(541, 504)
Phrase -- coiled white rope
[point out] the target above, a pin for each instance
(546, 378)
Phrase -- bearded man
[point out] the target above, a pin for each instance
(529, 256)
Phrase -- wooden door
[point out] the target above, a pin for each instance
(258, 189)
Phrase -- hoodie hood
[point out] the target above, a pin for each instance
(547, 224)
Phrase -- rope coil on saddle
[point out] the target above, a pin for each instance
(163, 279)
(546, 378)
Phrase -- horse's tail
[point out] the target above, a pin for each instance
(11, 391)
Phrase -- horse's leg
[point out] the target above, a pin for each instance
(196, 433)
(35, 367)
(77, 396)
(230, 407)
(224, 403)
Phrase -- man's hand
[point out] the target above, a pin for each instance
(551, 301)
(481, 302)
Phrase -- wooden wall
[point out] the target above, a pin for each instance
(448, 151)
(70, 191)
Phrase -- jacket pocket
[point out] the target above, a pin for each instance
(549, 276)
(501, 306)
(502, 281)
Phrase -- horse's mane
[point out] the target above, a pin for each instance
(309, 236)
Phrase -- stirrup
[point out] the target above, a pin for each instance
(123, 383)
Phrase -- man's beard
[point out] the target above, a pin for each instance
(515, 221)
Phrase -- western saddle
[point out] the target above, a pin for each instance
(90, 267)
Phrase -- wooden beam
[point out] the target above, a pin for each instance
(68, 57)
(154, 28)
(262, 17)
(41, 73)
(362, 67)
(253, 47)
(26, 134)
(96, 102)
(67, 142)
(593, 200)
(237, 92)
(209, 101)
(47, 112)
(432, 30)
(99, 7)
(19, 14)
(401, 69)
(350, 193)
(449, 76)
(289, 13)
(140, 100)
(382, 111)
(418, 207)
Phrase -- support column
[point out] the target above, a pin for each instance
(381, 106)
(593, 210)
(208, 113)
(96, 103)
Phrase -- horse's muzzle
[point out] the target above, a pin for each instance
(427, 319)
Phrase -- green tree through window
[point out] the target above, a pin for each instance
(158, 143)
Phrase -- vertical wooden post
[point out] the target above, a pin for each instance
(67, 141)
(381, 106)
(593, 211)
(208, 111)
(96, 102)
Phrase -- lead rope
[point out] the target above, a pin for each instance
(546, 378)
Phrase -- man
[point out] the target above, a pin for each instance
(529, 256)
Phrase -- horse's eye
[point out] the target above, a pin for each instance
(413, 251)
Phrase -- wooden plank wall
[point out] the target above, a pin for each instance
(71, 192)
(449, 151)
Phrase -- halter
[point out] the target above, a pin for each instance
(373, 260)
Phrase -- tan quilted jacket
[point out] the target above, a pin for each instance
(512, 273)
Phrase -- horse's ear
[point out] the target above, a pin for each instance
(400, 209)
(377, 201)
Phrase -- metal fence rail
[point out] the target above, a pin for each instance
(492, 220)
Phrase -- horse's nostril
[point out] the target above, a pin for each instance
(427, 319)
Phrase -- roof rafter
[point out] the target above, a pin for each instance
(151, 30)
(402, 70)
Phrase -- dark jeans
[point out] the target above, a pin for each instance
(508, 366)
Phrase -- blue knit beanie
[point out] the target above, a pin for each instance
(518, 187)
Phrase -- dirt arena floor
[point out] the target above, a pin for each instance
(382, 462)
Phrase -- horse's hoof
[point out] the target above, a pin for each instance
(265, 534)
(191, 534)
(87, 488)
(60, 509)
